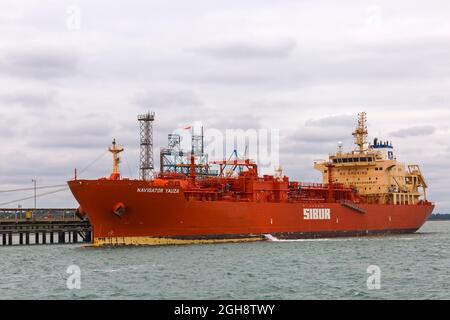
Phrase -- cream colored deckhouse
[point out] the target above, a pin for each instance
(374, 171)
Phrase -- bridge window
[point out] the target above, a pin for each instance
(363, 159)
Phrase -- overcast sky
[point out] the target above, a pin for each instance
(74, 75)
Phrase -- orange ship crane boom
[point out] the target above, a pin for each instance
(252, 167)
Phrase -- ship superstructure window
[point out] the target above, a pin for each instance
(353, 160)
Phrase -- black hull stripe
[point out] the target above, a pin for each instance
(299, 235)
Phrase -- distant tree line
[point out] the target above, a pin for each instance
(439, 216)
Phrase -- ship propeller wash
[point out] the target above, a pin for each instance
(363, 192)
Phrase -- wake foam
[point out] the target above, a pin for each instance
(272, 238)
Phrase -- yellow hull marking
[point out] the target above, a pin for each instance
(151, 241)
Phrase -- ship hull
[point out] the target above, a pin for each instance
(156, 216)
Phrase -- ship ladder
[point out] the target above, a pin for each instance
(353, 206)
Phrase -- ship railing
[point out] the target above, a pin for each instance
(306, 199)
(312, 185)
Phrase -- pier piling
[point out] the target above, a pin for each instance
(63, 228)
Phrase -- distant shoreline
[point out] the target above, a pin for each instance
(439, 217)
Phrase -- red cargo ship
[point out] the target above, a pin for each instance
(364, 192)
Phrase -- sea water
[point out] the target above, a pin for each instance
(413, 266)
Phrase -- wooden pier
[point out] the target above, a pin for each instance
(43, 226)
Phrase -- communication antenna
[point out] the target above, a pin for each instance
(340, 146)
(146, 154)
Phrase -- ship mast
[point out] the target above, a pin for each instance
(146, 152)
(361, 133)
(115, 150)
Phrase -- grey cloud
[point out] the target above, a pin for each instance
(242, 121)
(248, 50)
(414, 131)
(294, 61)
(314, 141)
(321, 135)
(415, 59)
(306, 148)
(383, 61)
(167, 99)
(28, 100)
(7, 126)
(40, 63)
(332, 121)
(410, 59)
(234, 77)
(81, 141)
(268, 105)
(64, 133)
